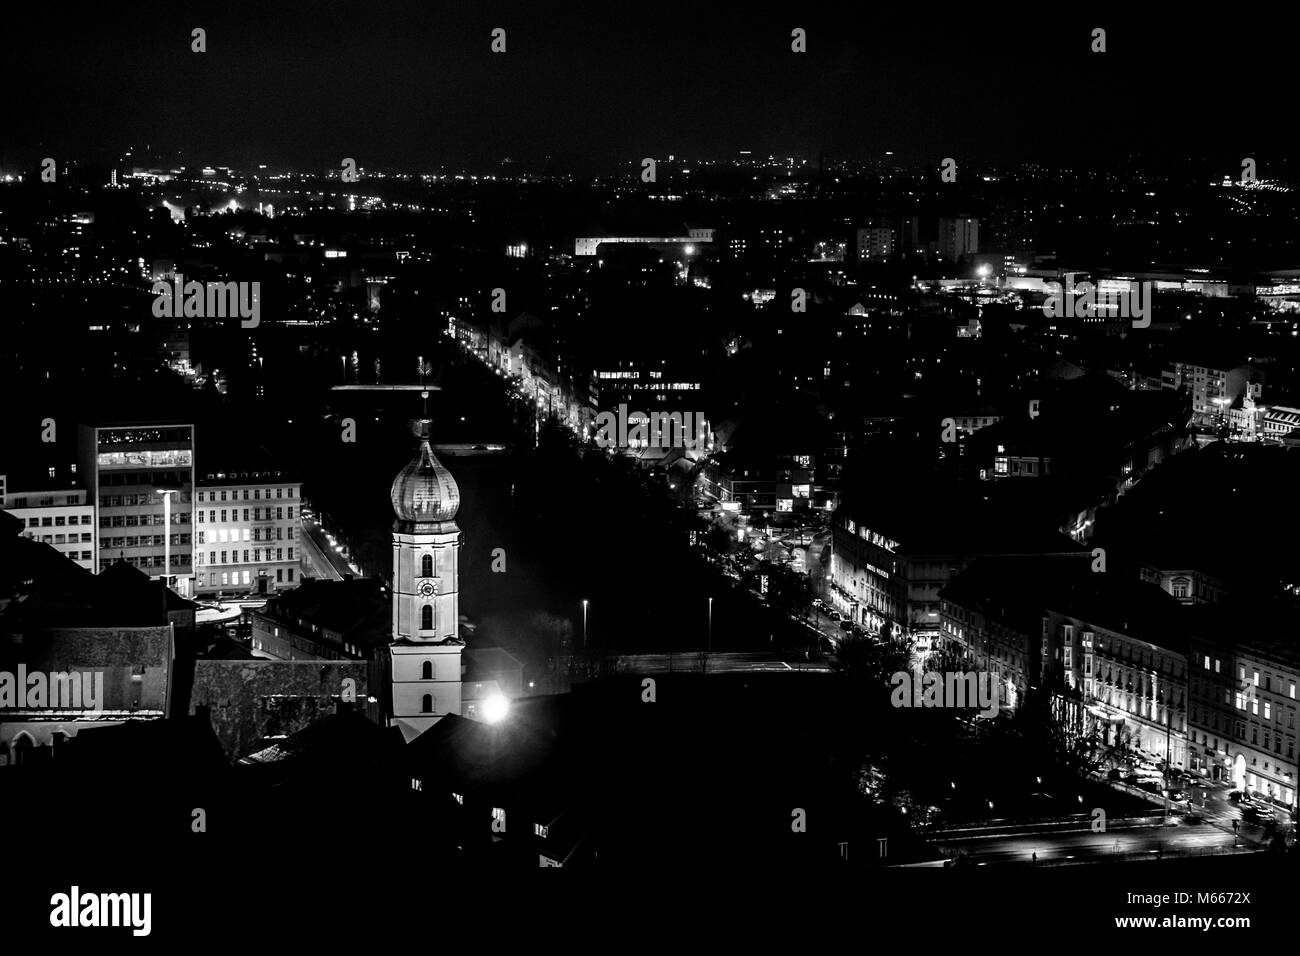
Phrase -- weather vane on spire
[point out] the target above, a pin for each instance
(423, 369)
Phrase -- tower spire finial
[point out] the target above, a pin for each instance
(423, 369)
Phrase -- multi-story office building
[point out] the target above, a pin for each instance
(55, 513)
(649, 384)
(141, 479)
(246, 528)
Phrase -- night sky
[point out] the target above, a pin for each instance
(414, 85)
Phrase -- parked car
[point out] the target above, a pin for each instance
(1114, 774)
(1178, 796)
(846, 625)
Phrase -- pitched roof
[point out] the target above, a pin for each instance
(323, 741)
(355, 608)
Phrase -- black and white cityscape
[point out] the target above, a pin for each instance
(805, 445)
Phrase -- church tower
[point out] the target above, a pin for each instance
(424, 656)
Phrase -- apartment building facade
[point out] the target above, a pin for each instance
(62, 517)
(247, 533)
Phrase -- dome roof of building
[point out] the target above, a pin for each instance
(424, 492)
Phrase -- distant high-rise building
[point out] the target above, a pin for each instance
(907, 237)
(958, 236)
(875, 241)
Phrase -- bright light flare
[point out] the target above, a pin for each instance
(495, 708)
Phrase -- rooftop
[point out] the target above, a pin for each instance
(357, 609)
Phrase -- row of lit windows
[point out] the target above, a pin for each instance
(665, 387)
(58, 538)
(144, 541)
(158, 479)
(45, 502)
(234, 515)
(257, 494)
(119, 501)
(234, 556)
(146, 561)
(1241, 700)
(140, 521)
(58, 521)
(233, 578)
(1149, 659)
(222, 536)
(141, 435)
(1268, 680)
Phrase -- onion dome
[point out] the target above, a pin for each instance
(424, 494)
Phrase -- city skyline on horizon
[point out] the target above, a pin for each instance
(423, 81)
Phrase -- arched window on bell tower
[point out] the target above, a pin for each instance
(426, 704)
(426, 671)
(426, 566)
(426, 617)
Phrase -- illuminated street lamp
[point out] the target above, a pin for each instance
(584, 624)
(495, 708)
(167, 533)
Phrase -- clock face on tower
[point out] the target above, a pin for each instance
(425, 589)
